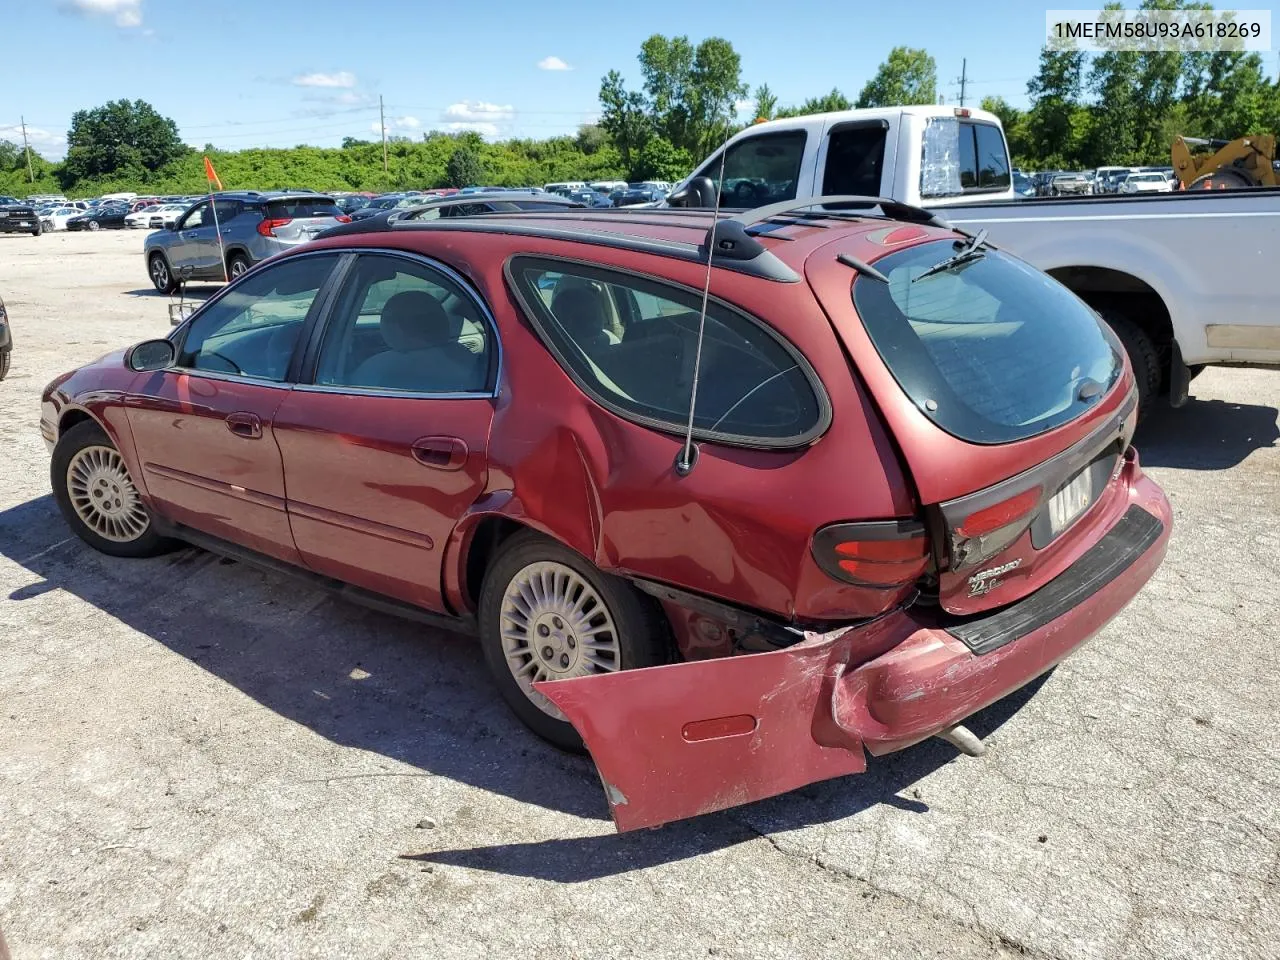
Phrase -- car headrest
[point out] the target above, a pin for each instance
(583, 311)
(415, 320)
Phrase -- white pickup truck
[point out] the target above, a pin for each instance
(1185, 279)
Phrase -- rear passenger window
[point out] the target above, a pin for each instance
(631, 344)
(404, 326)
(855, 157)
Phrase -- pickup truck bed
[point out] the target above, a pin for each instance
(1191, 271)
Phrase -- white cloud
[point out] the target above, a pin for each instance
(44, 142)
(553, 63)
(339, 79)
(480, 111)
(484, 129)
(407, 123)
(127, 13)
(742, 106)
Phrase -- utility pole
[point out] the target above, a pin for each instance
(27, 147)
(382, 117)
(964, 78)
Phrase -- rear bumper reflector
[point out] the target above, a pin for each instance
(1103, 562)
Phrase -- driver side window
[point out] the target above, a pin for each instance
(195, 216)
(252, 329)
(759, 170)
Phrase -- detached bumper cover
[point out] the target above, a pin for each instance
(686, 739)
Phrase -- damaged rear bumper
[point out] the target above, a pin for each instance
(677, 741)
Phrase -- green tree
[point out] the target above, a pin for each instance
(1014, 122)
(624, 115)
(666, 68)
(119, 138)
(766, 103)
(907, 76)
(1055, 94)
(464, 169)
(660, 160)
(835, 100)
(715, 85)
(591, 138)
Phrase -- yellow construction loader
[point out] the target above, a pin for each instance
(1243, 162)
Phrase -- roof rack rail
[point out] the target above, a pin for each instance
(894, 209)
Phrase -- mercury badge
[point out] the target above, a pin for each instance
(984, 581)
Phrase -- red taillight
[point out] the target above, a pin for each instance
(884, 554)
(268, 226)
(1000, 514)
(342, 218)
(986, 532)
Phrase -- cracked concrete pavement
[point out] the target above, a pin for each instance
(198, 759)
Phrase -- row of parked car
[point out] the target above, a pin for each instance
(112, 212)
(1118, 180)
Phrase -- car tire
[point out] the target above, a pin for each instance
(94, 225)
(237, 265)
(97, 497)
(635, 632)
(39, 229)
(161, 274)
(4, 363)
(1142, 355)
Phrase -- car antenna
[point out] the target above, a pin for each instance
(688, 454)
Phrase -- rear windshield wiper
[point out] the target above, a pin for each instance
(970, 252)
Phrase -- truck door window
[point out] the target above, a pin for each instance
(962, 157)
(760, 170)
(855, 159)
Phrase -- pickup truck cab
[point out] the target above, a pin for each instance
(1185, 279)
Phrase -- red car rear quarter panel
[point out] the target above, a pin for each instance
(738, 527)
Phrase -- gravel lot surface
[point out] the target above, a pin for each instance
(201, 760)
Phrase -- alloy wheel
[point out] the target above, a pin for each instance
(160, 273)
(555, 626)
(103, 496)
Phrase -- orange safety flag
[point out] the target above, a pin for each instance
(211, 174)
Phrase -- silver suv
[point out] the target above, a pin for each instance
(253, 226)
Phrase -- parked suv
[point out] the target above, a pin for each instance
(253, 226)
(905, 488)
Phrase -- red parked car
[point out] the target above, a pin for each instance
(909, 488)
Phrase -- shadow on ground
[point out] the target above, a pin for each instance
(1205, 434)
(194, 291)
(409, 693)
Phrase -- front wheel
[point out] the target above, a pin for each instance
(161, 275)
(94, 225)
(548, 614)
(97, 496)
(4, 363)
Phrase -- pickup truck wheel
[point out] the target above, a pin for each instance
(547, 614)
(1143, 356)
(39, 228)
(97, 497)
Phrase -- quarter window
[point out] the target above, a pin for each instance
(400, 325)
(631, 343)
(251, 330)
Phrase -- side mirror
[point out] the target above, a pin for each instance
(698, 192)
(151, 355)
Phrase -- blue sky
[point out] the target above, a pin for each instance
(238, 74)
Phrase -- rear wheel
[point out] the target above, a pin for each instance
(1142, 355)
(547, 614)
(97, 496)
(237, 265)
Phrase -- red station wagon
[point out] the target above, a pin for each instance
(906, 488)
